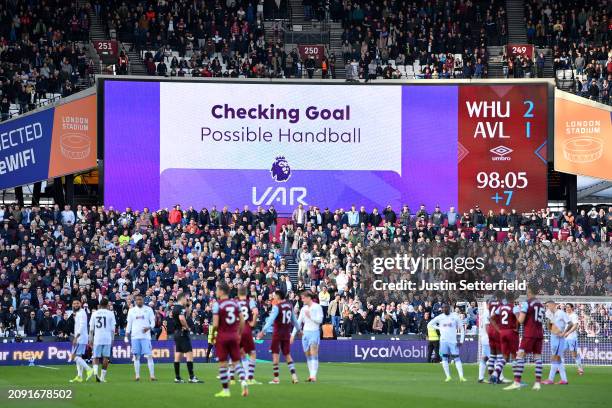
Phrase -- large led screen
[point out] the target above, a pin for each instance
(230, 144)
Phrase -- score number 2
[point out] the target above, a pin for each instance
(528, 114)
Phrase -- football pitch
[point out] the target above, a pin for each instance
(340, 385)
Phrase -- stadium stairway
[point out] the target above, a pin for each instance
(137, 66)
(335, 47)
(548, 61)
(495, 65)
(96, 29)
(292, 268)
(517, 30)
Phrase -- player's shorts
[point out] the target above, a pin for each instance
(557, 345)
(227, 347)
(486, 350)
(279, 345)
(531, 345)
(448, 349)
(509, 342)
(182, 343)
(141, 347)
(102, 350)
(247, 344)
(494, 343)
(571, 344)
(310, 338)
(79, 349)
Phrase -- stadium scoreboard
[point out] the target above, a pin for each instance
(330, 145)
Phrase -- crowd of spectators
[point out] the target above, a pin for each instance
(49, 256)
(41, 53)
(431, 34)
(579, 35)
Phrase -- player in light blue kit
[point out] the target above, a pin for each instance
(449, 324)
(79, 342)
(140, 322)
(559, 325)
(571, 337)
(102, 332)
(311, 317)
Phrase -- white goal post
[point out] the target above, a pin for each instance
(594, 328)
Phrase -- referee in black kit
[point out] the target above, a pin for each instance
(182, 341)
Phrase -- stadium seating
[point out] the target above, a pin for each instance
(92, 252)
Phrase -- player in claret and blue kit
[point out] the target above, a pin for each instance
(250, 313)
(531, 316)
(283, 319)
(449, 324)
(507, 324)
(228, 324)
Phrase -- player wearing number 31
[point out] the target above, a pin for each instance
(311, 317)
(283, 318)
(140, 321)
(102, 328)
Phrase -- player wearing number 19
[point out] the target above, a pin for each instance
(228, 322)
(283, 319)
(531, 316)
(102, 328)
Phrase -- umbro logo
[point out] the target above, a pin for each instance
(501, 153)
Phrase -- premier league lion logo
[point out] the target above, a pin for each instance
(280, 170)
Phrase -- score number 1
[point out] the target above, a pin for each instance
(528, 114)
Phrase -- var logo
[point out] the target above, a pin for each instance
(280, 195)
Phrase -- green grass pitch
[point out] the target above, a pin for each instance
(340, 385)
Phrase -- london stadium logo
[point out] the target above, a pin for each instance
(500, 153)
(280, 171)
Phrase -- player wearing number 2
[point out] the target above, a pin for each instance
(283, 318)
(532, 318)
(508, 334)
(102, 328)
(229, 324)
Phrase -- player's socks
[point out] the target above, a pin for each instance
(579, 363)
(459, 367)
(445, 367)
(275, 370)
(554, 366)
(239, 371)
(309, 364)
(151, 366)
(517, 369)
(315, 365)
(499, 366)
(538, 370)
(482, 365)
(95, 368)
(251, 369)
(137, 367)
(190, 369)
(491, 364)
(223, 377)
(79, 371)
(291, 367)
(177, 370)
(562, 372)
(80, 362)
(103, 375)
